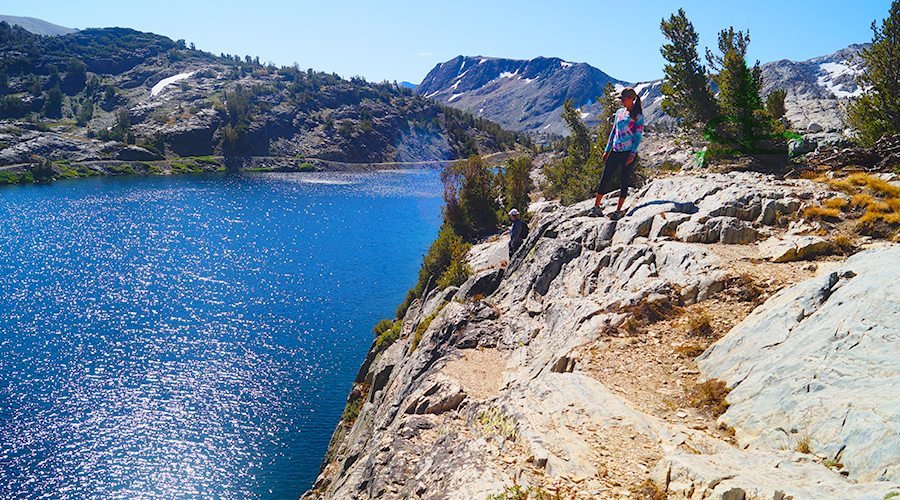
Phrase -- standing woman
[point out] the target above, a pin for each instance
(621, 148)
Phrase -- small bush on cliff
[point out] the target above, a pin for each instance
(435, 262)
(355, 402)
(422, 327)
(458, 271)
(387, 333)
(351, 411)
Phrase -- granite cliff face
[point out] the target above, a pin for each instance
(545, 368)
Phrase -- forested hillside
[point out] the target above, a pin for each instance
(100, 94)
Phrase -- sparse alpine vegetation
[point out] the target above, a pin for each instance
(96, 84)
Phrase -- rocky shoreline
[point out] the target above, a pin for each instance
(570, 368)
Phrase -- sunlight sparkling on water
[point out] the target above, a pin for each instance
(192, 337)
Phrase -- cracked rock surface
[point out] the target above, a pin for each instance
(570, 367)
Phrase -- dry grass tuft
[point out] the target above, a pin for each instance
(861, 200)
(837, 204)
(700, 325)
(646, 312)
(803, 442)
(822, 213)
(843, 186)
(690, 350)
(845, 243)
(710, 396)
(648, 491)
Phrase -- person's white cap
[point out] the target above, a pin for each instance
(514, 212)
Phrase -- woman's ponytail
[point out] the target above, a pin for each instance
(636, 109)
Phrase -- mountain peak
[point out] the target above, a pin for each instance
(522, 95)
(37, 26)
(529, 95)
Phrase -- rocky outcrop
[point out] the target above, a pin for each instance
(816, 362)
(428, 430)
(763, 475)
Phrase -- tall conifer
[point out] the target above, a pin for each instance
(877, 111)
(685, 89)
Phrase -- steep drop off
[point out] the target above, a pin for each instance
(571, 367)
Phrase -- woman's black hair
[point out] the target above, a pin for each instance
(636, 109)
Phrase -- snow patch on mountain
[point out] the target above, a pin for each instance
(836, 70)
(166, 81)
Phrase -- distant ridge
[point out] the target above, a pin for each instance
(528, 96)
(519, 95)
(37, 26)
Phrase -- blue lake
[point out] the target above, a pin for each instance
(193, 336)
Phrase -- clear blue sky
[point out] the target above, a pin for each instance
(403, 40)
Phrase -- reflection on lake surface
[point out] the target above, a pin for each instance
(196, 336)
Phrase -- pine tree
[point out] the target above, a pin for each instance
(471, 202)
(686, 88)
(575, 177)
(580, 149)
(609, 105)
(514, 183)
(744, 126)
(877, 111)
(732, 79)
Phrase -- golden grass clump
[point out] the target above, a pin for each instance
(883, 188)
(873, 184)
(861, 200)
(858, 179)
(878, 207)
(843, 186)
(820, 212)
(837, 203)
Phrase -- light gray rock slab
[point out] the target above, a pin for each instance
(718, 229)
(758, 475)
(665, 224)
(489, 254)
(789, 248)
(773, 208)
(818, 362)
